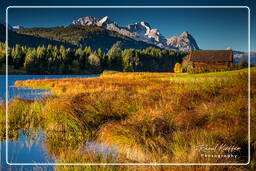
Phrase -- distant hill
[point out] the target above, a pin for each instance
(28, 40)
(243, 56)
(80, 36)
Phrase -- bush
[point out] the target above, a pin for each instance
(177, 68)
(187, 65)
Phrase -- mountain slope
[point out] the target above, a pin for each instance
(92, 35)
(28, 40)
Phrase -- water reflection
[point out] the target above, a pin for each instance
(25, 145)
(27, 93)
(37, 145)
(101, 148)
(30, 147)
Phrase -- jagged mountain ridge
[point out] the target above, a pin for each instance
(183, 42)
(142, 31)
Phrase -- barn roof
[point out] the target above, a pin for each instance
(211, 56)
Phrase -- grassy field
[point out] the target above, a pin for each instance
(148, 117)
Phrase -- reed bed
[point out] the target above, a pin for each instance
(149, 117)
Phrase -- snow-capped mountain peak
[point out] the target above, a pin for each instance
(105, 21)
(140, 29)
(106, 18)
(111, 25)
(185, 34)
(156, 36)
(143, 31)
(85, 21)
(184, 42)
(145, 25)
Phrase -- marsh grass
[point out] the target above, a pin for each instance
(150, 117)
(2, 120)
(25, 113)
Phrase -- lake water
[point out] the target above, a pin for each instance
(27, 149)
(27, 93)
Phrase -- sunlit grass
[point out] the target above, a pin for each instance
(149, 117)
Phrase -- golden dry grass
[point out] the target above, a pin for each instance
(153, 117)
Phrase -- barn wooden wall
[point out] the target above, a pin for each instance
(211, 66)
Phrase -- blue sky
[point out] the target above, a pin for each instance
(212, 28)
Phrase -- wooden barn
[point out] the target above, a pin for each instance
(211, 59)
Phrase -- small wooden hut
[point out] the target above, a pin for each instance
(211, 59)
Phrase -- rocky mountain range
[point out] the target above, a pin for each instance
(142, 31)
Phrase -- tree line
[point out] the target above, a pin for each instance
(61, 60)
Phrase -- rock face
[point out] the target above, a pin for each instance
(85, 21)
(111, 25)
(184, 42)
(140, 29)
(143, 31)
(105, 22)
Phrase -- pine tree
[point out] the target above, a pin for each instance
(115, 57)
